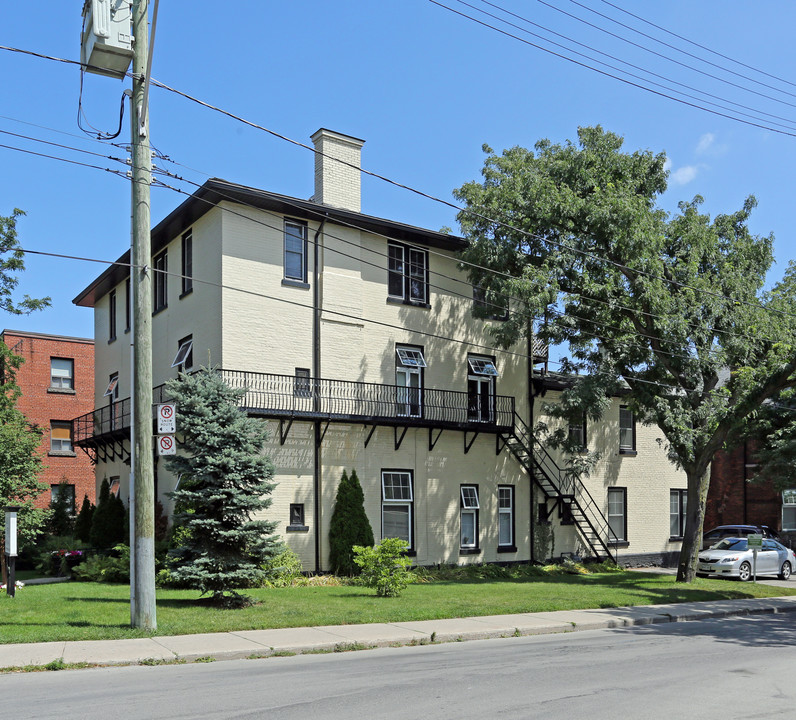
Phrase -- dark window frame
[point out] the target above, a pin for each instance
(111, 315)
(682, 505)
(303, 235)
(187, 362)
(475, 510)
(579, 428)
(186, 258)
(160, 285)
(512, 545)
(487, 310)
(296, 518)
(302, 384)
(128, 298)
(625, 449)
(402, 271)
(623, 492)
(411, 503)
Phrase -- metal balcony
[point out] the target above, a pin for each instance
(104, 432)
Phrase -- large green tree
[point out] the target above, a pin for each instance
(673, 306)
(225, 481)
(20, 461)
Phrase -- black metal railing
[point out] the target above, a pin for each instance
(289, 396)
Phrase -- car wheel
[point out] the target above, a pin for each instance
(745, 571)
(785, 572)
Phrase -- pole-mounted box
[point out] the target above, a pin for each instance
(106, 43)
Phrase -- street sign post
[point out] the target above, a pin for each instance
(754, 543)
(167, 418)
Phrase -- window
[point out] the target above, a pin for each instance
(184, 357)
(486, 305)
(677, 506)
(627, 430)
(187, 263)
(409, 381)
(396, 506)
(127, 305)
(112, 390)
(297, 517)
(115, 486)
(160, 282)
(112, 315)
(617, 515)
(60, 437)
(295, 250)
(407, 274)
(481, 374)
(301, 387)
(505, 516)
(62, 374)
(789, 509)
(577, 432)
(469, 516)
(61, 492)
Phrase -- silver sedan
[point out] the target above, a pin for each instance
(731, 557)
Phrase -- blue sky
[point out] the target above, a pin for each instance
(424, 87)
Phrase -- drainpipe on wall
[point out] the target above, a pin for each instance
(316, 369)
(529, 335)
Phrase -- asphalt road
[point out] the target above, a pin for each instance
(725, 668)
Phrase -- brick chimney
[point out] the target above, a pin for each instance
(337, 183)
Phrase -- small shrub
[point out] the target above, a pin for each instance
(282, 570)
(106, 568)
(385, 566)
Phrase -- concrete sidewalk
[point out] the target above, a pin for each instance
(263, 643)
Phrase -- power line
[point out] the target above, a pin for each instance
(624, 62)
(468, 211)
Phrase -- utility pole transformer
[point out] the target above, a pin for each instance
(142, 611)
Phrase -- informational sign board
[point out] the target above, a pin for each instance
(167, 418)
(166, 445)
(755, 541)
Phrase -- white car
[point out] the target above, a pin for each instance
(731, 557)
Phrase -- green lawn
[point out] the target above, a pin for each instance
(92, 611)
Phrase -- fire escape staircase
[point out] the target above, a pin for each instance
(567, 491)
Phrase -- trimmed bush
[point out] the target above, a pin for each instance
(349, 525)
(83, 521)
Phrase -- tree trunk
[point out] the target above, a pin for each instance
(698, 484)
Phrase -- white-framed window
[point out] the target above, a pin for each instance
(407, 273)
(469, 507)
(677, 507)
(184, 357)
(62, 373)
(789, 509)
(481, 374)
(627, 429)
(160, 286)
(60, 436)
(295, 250)
(505, 516)
(409, 381)
(617, 514)
(396, 505)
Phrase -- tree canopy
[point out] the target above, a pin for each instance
(12, 261)
(670, 305)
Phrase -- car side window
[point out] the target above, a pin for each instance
(769, 545)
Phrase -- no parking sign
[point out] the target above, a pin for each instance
(167, 418)
(166, 445)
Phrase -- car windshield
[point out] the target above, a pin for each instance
(731, 544)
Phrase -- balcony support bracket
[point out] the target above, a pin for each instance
(468, 445)
(399, 440)
(500, 442)
(370, 435)
(283, 431)
(323, 433)
(432, 441)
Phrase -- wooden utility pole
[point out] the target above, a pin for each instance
(142, 608)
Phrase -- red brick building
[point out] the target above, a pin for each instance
(57, 383)
(732, 500)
